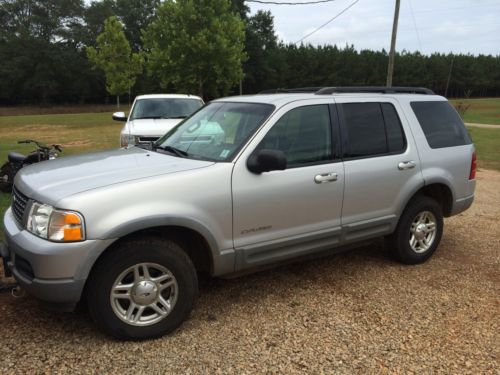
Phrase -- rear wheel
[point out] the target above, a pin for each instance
(142, 289)
(7, 174)
(418, 232)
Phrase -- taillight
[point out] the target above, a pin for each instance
(473, 167)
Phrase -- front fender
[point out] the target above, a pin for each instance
(222, 261)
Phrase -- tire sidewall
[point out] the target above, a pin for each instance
(105, 274)
(404, 252)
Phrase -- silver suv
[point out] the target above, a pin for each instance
(290, 175)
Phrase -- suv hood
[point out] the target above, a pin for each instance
(52, 180)
(153, 127)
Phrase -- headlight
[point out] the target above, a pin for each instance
(55, 225)
(127, 139)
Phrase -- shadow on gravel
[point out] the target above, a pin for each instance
(34, 319)
(334, 272)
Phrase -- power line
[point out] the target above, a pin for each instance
(288, 3)
(327, 22)
(415, 25)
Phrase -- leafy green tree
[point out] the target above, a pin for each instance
(94, 16)
(35, 34)
(113, 55)
(136, 15)
(264, 67)
(196, 46)
(239, 7)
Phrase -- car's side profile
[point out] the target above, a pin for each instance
(245, 182)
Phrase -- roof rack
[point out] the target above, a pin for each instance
(297, 90)
(374, 89)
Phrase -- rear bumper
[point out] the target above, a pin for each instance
(462, 204)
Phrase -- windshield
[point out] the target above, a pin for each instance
(157, 108)
(217, 131)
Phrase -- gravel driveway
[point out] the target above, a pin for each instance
(354, 312)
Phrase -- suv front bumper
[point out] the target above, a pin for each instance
(51, 271)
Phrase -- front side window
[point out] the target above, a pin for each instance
(441, 124)
(216, 132)
(303, 134)
(371, 129)
(164, 108)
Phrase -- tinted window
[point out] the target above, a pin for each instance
(441, 124)
(364, 125)
(303, 134)
(395, 138)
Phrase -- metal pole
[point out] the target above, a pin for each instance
(392, 52)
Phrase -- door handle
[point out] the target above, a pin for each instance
(326, 177)
(406, 165)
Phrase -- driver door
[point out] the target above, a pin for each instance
(285, 213)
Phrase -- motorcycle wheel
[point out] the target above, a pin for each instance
(7, 173)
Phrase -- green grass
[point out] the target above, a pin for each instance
(487, 142)
(481, 111)
(76, 132)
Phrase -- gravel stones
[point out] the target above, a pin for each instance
(356, 312)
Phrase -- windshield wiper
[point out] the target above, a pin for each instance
(180, 153)
(180, 116)
(147, 117)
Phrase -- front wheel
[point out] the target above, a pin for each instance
(418, 232)
(142, 289)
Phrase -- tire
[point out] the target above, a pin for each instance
(123, 270)
(7, 173)
(414, 240)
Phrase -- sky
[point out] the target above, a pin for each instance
(460, 26)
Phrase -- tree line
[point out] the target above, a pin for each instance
(206, 47)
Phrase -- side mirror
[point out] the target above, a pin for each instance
(119, 116)
(266, 161)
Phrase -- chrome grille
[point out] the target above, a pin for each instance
(19, 203)
(148, 139)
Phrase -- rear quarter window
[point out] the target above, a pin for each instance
(441, 124)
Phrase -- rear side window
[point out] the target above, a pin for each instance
(441, 124)
(372, 129)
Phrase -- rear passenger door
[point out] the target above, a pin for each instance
(381, 165)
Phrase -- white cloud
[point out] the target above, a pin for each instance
(468, 26)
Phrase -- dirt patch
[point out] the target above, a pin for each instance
(79, 143)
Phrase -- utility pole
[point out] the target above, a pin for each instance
(392, 52)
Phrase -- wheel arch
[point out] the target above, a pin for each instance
(197, 239)
(195, 245)
(440, 191)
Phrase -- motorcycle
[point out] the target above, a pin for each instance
(16, 161)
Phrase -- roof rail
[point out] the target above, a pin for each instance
(374, 89)
(297, 90)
